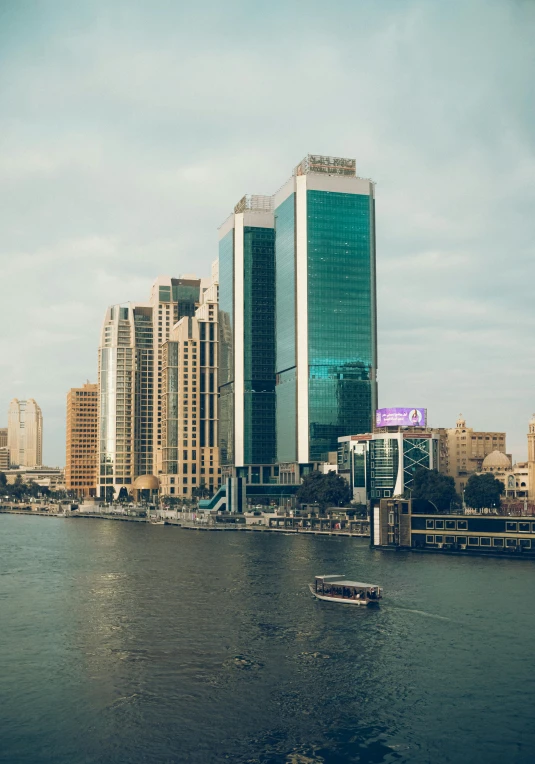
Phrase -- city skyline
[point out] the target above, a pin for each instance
(448, 142)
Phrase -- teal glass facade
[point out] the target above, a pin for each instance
(226, 349)
(286, 390)
(341, 320)
(259, 344)
(383, 465)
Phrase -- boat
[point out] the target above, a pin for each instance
(335, 588)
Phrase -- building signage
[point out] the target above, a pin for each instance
(401, 417)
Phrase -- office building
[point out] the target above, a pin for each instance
(318, 231)
(382, 464)
(25, 433)
(190, 455)
(82, 442)
(3, 437)
(247, 326)
(326, 308)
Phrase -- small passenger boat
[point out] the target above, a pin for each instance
(334, 588)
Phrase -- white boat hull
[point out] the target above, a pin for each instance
(342, 600)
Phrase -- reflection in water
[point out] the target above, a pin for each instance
(127, 643)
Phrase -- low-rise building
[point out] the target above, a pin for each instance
(382, 464)
(4, 458)
(52, 478)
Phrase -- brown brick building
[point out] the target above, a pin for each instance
(82, 447)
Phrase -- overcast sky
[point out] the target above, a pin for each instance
(129, 129)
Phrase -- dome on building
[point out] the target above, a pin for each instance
(496, 461)
(146, 483)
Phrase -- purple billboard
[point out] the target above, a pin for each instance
(401, 417)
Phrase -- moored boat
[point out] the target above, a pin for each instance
(335, 588)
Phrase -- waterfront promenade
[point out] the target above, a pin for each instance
(184, 523)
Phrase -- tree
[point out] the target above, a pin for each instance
(330, 490)
(3, 480)
(483, 491)
(123, 494)
(435, 488)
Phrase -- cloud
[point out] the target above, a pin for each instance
(129, 132)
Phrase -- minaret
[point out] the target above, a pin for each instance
(531, 458)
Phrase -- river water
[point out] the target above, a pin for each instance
(122, 642)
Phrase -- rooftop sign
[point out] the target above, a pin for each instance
(401, 417)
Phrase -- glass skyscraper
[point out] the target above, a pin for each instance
(247, 334)
(326, 349)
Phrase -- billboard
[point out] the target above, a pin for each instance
(401, 417)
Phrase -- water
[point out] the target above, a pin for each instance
(126, 643)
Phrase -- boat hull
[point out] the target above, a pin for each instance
(343, 600)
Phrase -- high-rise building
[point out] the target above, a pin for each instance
(298, 306)
(3, 437)
(190, 401)
(25, 433)
(326, 308)
(82, 442)
(126, 398)
(247, 325)
(171, 299)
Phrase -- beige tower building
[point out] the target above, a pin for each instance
(82, 445)
(463, 450)
(25, 433)
(190, 401)
(125, 407)
(171, 299)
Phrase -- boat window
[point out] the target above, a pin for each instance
(462, 525)
(510, 542)
(450, 539)
(484, 541)
(429, 539)
(510, 526)
(526, 543)
(438, 539)
(533, 527)
(524, 527)
(439, 524)
(473, 540)
(497, 542)
(461, 539)
(429, 524)
(450, 525)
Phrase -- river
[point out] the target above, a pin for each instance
(123, 642)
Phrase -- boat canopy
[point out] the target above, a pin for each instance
(340, 581)
(356, 584)
(337, 576)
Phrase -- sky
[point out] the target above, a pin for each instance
(129, 129)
